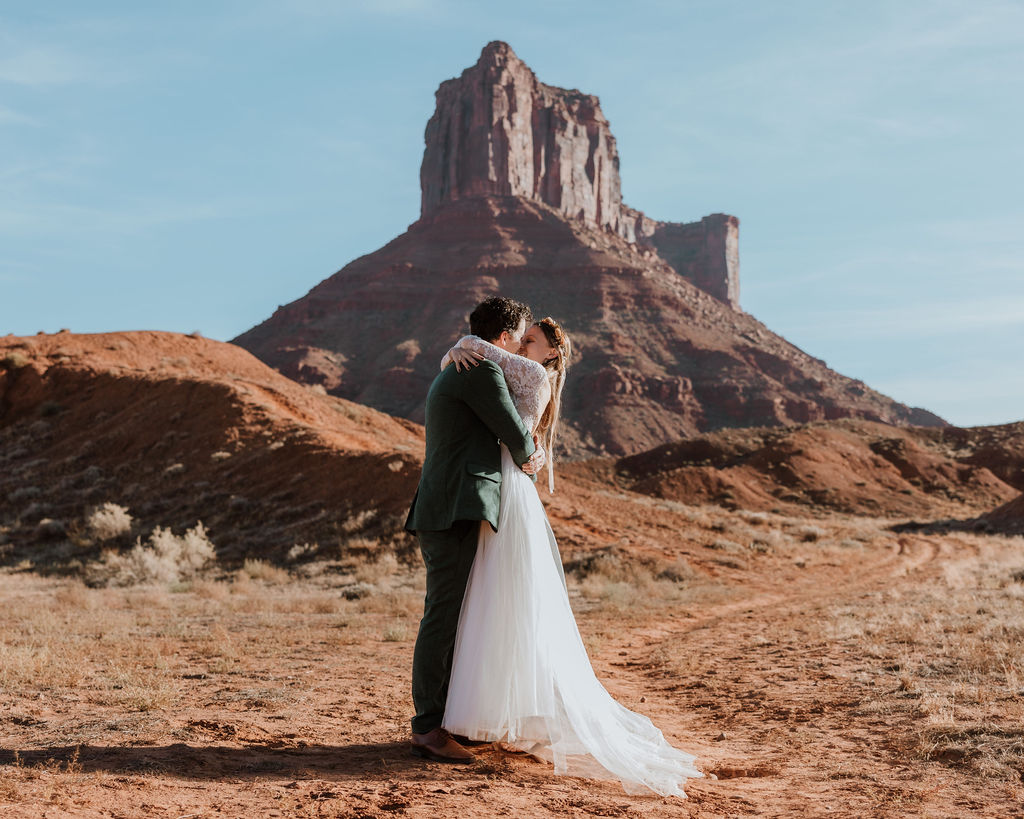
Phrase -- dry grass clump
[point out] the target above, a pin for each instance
(77, 596)
(53, 783)
(166, 558)
(396, 633)
(304, 602)
(261, 570)
(810, 534)
(958, 664)
(771, 541)
(614, 580)
(358, 521)
(375, 571)
(108, 521)
(137, 688)
(300, 551)
(40, 661)
(399, 603)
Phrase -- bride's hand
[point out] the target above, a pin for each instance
(536, 462)
(464, 358)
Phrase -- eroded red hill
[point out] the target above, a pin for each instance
(180, 429)
(848, 466)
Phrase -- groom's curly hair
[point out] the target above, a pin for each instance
(496, 315)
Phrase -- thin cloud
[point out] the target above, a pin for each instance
(133, 219)
(854, 85)
(9, 116)
(304, 11)
(916, 319)
(37, 66)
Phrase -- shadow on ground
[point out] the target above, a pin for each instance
(342, 762)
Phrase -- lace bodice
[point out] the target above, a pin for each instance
(527, 380)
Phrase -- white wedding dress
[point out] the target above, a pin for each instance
(520, 672)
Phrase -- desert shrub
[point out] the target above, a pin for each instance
(359, 521)
(616, 580)
(356, 591)
(302, 550)
(373, 572)
(261, 570)
(809, 534)
(108, 521)
(49, 528)
(609, 564)
(769, 541)
(355, 548)
(396, 633)
(678, 571)
(166, 558)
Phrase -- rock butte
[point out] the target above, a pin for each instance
(498, 131)
(521, 196)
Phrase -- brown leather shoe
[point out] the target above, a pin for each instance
(439, 746)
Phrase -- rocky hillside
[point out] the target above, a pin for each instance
(179, 429)
(847, 466)
(521, 196)
(1008, 518)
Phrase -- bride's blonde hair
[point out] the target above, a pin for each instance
(556, 367)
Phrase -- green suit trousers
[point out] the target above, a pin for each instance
(448, 556)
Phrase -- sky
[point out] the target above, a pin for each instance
(191, 166)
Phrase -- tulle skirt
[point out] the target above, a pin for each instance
(521, 673)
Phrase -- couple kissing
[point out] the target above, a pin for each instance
(498, 655)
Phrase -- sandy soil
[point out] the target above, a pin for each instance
(877, 675)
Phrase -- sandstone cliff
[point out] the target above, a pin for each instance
(499, 131)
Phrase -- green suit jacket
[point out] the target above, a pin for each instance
(467, 414)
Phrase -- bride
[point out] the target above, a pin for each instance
(520, 672)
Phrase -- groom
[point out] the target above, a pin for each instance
(467, 414)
